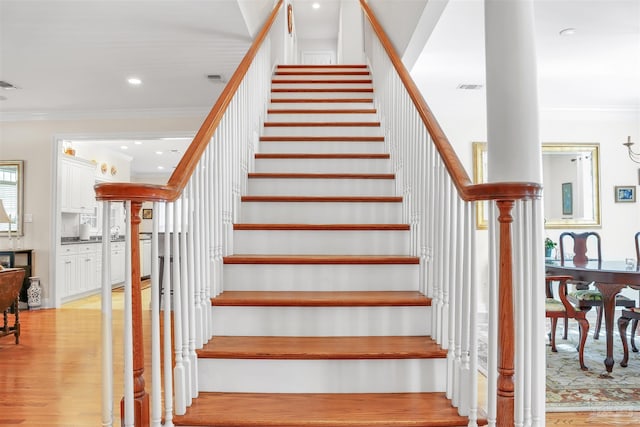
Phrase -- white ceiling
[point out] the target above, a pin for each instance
(71, 58)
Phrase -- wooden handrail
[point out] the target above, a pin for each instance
(467, 190)
(181, 175)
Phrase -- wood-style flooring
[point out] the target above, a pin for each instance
(52, 378)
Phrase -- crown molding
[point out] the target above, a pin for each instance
(101, 114)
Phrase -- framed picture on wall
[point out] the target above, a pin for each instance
(625, 193)
(567, 198)
(147, 213)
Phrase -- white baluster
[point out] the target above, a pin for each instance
(156, 387)
(106, 320)
(166, 292)
(179, 373)
(128, 326)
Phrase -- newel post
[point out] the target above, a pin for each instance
(506, 342)
(140, 396)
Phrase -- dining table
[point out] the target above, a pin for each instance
(609, 277)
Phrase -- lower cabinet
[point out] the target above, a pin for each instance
(117, 262)
(79, 269)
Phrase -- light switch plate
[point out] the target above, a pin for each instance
(28, 217)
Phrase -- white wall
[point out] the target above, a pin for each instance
(351, 33)
(33, 142)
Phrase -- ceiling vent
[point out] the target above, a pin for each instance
(216, 78)
(7, 85)
(470, 87)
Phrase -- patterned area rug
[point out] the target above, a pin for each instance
(571, 389)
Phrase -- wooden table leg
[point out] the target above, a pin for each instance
(609, 292)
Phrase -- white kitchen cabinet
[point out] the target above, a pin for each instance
(67, 271)
(77, 180)
(117, 262)
(79, 270)
(88, 273)
(145, 258)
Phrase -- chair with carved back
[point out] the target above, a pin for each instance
(630, 315)
(561, 308)
(585, 296)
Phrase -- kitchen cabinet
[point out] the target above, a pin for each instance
(117, 262)
(67, 271)
(77, 178)
(145, 258)
(79, 270)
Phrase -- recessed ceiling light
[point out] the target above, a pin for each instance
(316, 5)
(568, 32)
(134, 81)
(158, 152)
(160, 167)
(124, 147)
(137, 142)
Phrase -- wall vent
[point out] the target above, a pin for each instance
(216, 78)
(7, 85)
(470, 87)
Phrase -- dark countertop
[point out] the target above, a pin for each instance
(93, 239)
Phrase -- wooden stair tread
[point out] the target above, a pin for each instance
(272, 175)
(322, 410)
(322, 227)
(321, 73)
(320, 259)
(321, 124)
(321, 156)
(322, 100)
(323, 90)
(322, 348)
(321, 299)
(328, 66)
(265, 138)
(323, 199)
(321, 81)
(324, 111)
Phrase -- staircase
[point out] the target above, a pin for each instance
(321, 321)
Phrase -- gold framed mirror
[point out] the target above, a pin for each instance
(11, 194)
(571, 180)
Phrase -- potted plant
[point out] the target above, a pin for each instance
(548, 247)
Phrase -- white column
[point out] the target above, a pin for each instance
(514, 151)
(515, 154)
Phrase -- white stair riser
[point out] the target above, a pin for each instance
(320, 76)
(321, 95)
(321, 187)
(287, 277)
(323, 117)
(321, 321)
(320, 213)
(328, 85)
(322, 147)
(321, 105)
(323, 131)
(323, 165)
(307, 242)
(322, 376)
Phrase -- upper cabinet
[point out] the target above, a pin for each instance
(77, 181)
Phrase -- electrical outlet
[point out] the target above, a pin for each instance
(28, 217)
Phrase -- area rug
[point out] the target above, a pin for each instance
(571, 389)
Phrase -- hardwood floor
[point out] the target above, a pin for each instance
(52, 378)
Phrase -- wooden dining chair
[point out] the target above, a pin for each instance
(633, 313)
(561, 308)
(584, 296)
